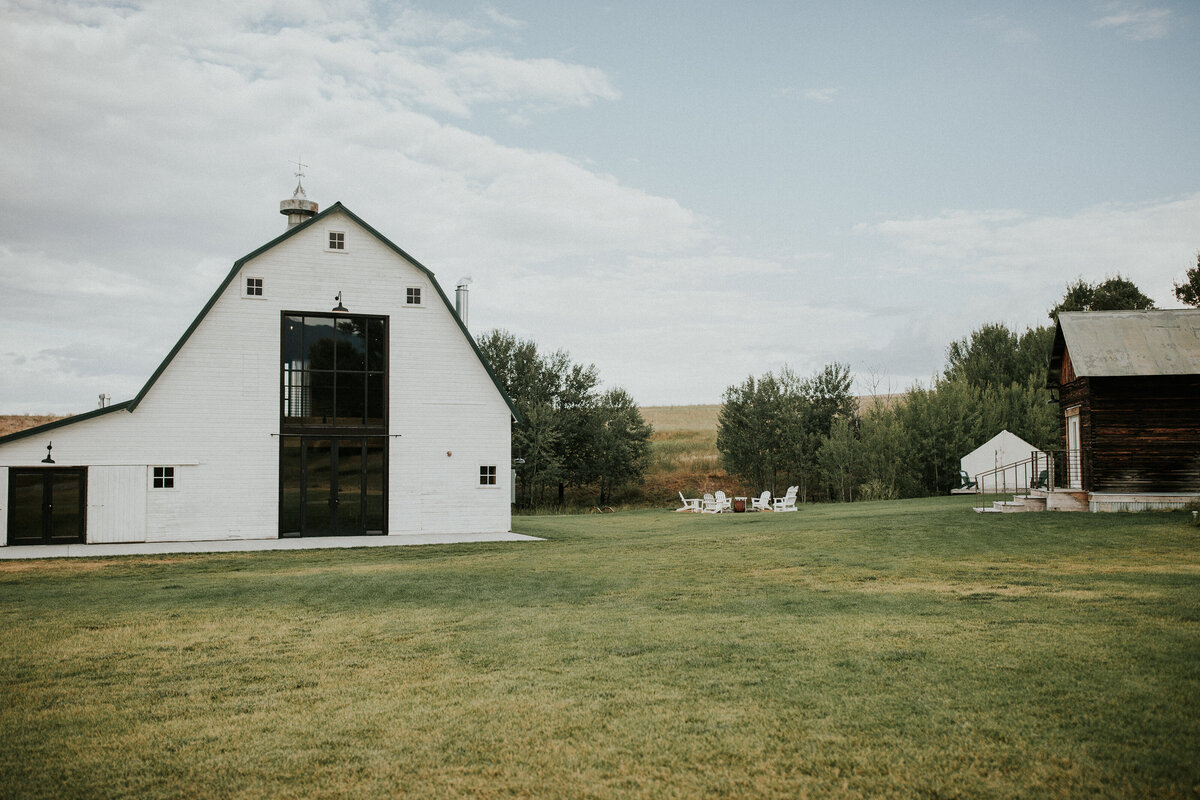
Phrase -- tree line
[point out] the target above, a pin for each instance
(572, 434)
(781, 429)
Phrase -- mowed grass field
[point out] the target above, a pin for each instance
(901, 649)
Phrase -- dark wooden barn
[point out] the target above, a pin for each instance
(1128, 385)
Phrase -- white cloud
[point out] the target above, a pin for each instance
(1012, 265)
(675, 328)
(826, 95)
(154, 145)
(146, 149)
(1136, 22)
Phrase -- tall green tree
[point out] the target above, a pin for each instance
(1111, 294)
(621, 443)
(751, 429)
(577, 409)
(995, 356)
(1189, 291)
(839, 459)
(884, 455)
(825, 398)
(770, 429)
(941, 424)
(572, 434)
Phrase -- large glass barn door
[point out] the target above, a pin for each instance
(332, 487)
(47, 506)
(333, 424)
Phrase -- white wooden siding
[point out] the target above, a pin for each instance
(214, 412)
(116, 504)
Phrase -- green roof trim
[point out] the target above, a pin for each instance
(59, 423)
(337, 207)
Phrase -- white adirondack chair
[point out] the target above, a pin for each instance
(710, 504)
(761, 503)
(726, 503)
(692, 504)
(788, 501)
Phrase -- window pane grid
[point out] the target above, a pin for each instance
(333, 371)
(164, 477)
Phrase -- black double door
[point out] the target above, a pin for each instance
(47, 506)
(332, 485)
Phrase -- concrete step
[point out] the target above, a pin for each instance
(1033, 503)
(1017, 505)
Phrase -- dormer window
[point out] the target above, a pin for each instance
(412, 295)
(337, 240)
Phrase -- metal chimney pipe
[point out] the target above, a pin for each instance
(460, 298)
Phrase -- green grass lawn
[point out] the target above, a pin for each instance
(903, 649)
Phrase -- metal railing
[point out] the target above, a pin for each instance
(1049, 469)
(1064, 468)
(1006, 479)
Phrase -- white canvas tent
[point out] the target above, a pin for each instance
(1005, 450)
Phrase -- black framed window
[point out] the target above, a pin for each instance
(164, 478)
(487, 476)
(333, 371)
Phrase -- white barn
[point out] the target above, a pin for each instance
(1001, 463)
(279, 414)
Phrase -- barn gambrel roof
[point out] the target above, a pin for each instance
(1127, 343)
(131, 405)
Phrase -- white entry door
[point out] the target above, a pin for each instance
(1074, 463)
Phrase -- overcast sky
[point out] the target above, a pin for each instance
(684, 193)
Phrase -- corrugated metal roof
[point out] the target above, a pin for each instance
(1123, 343)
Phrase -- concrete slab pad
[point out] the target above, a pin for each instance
(253, 545)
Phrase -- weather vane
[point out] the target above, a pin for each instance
(300, 167)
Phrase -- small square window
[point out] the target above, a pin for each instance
(413, 295)
(337, 240)
(487, 476)
(254, 287)
(164, 477)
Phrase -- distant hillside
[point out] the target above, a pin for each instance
(704, 418)
(682, 418)
(11, 423)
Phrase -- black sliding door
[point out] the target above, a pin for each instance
(332, 487)
(47, 506)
